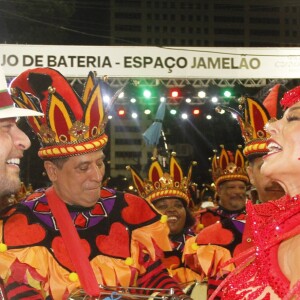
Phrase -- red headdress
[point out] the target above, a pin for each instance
(290, 97)
(227, 167)
(71, 125)
(160, 184)
(256, 115)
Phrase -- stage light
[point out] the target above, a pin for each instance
(208, 117)
(147, 111)
(134, 115)
(175, 93)
(173, 111)
(106, 99)
(162, 99)
(147, 94)
(188, 100)
(201, 94)
(196, 111)
(121, 95)
(121, 112)
(227, 93)
(132, 100)
(214, 99)
(184, 116)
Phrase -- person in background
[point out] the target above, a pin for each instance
(270, 268)
(77, 238)
(170, 193)
(230, 179)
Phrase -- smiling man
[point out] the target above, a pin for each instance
(13, 141)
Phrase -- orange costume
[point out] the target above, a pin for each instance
(49, 249)
(172, 184)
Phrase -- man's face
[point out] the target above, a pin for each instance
(78, 181)
(265, 187)
(175, 211)
(13, 142)
(232, 194)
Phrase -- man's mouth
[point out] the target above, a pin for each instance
(172, 219)
(13, 161)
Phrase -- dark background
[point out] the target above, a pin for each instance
(72, 22)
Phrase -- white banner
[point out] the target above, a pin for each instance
(154, 62)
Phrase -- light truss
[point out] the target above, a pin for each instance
(197, 83)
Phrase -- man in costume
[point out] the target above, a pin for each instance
(230, 190)
(66, 240)
(169, 192)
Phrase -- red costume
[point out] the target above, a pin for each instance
(50, 249)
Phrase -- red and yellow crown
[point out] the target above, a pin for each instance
(256, 115)
(71, 125)
(160, 184)
(228, 167)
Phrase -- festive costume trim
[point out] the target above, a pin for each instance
(46, 258)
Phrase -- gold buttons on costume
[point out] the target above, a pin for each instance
(3, 247)
(129, 261)
(195, 246)
(73, 276)
(200, 226)
(249, 240)
(164, 219)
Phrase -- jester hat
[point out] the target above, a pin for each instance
(72, 125)
(255, 117)
(161, 184)
(228, 166)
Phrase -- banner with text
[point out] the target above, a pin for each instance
(154, 62)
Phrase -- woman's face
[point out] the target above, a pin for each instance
(175, 211)
(282, 163)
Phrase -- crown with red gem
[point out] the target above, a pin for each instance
(72, 125)
(161, 184)
(228, 166)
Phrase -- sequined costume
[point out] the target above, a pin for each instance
(124, 246)
(258, 275)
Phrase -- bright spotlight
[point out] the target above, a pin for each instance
(134, 115)
(201, 94)
(132, 100)
(188, 100)
(214, 99)
(173, 111)
(147, 111)
(184, 116)
(208, 117)
(121, 95)
(106, 99)
(162, 99)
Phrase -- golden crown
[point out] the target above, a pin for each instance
(160, 184)
(227, 166)
(71, 125)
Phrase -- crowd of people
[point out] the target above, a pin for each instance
(80, 239)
